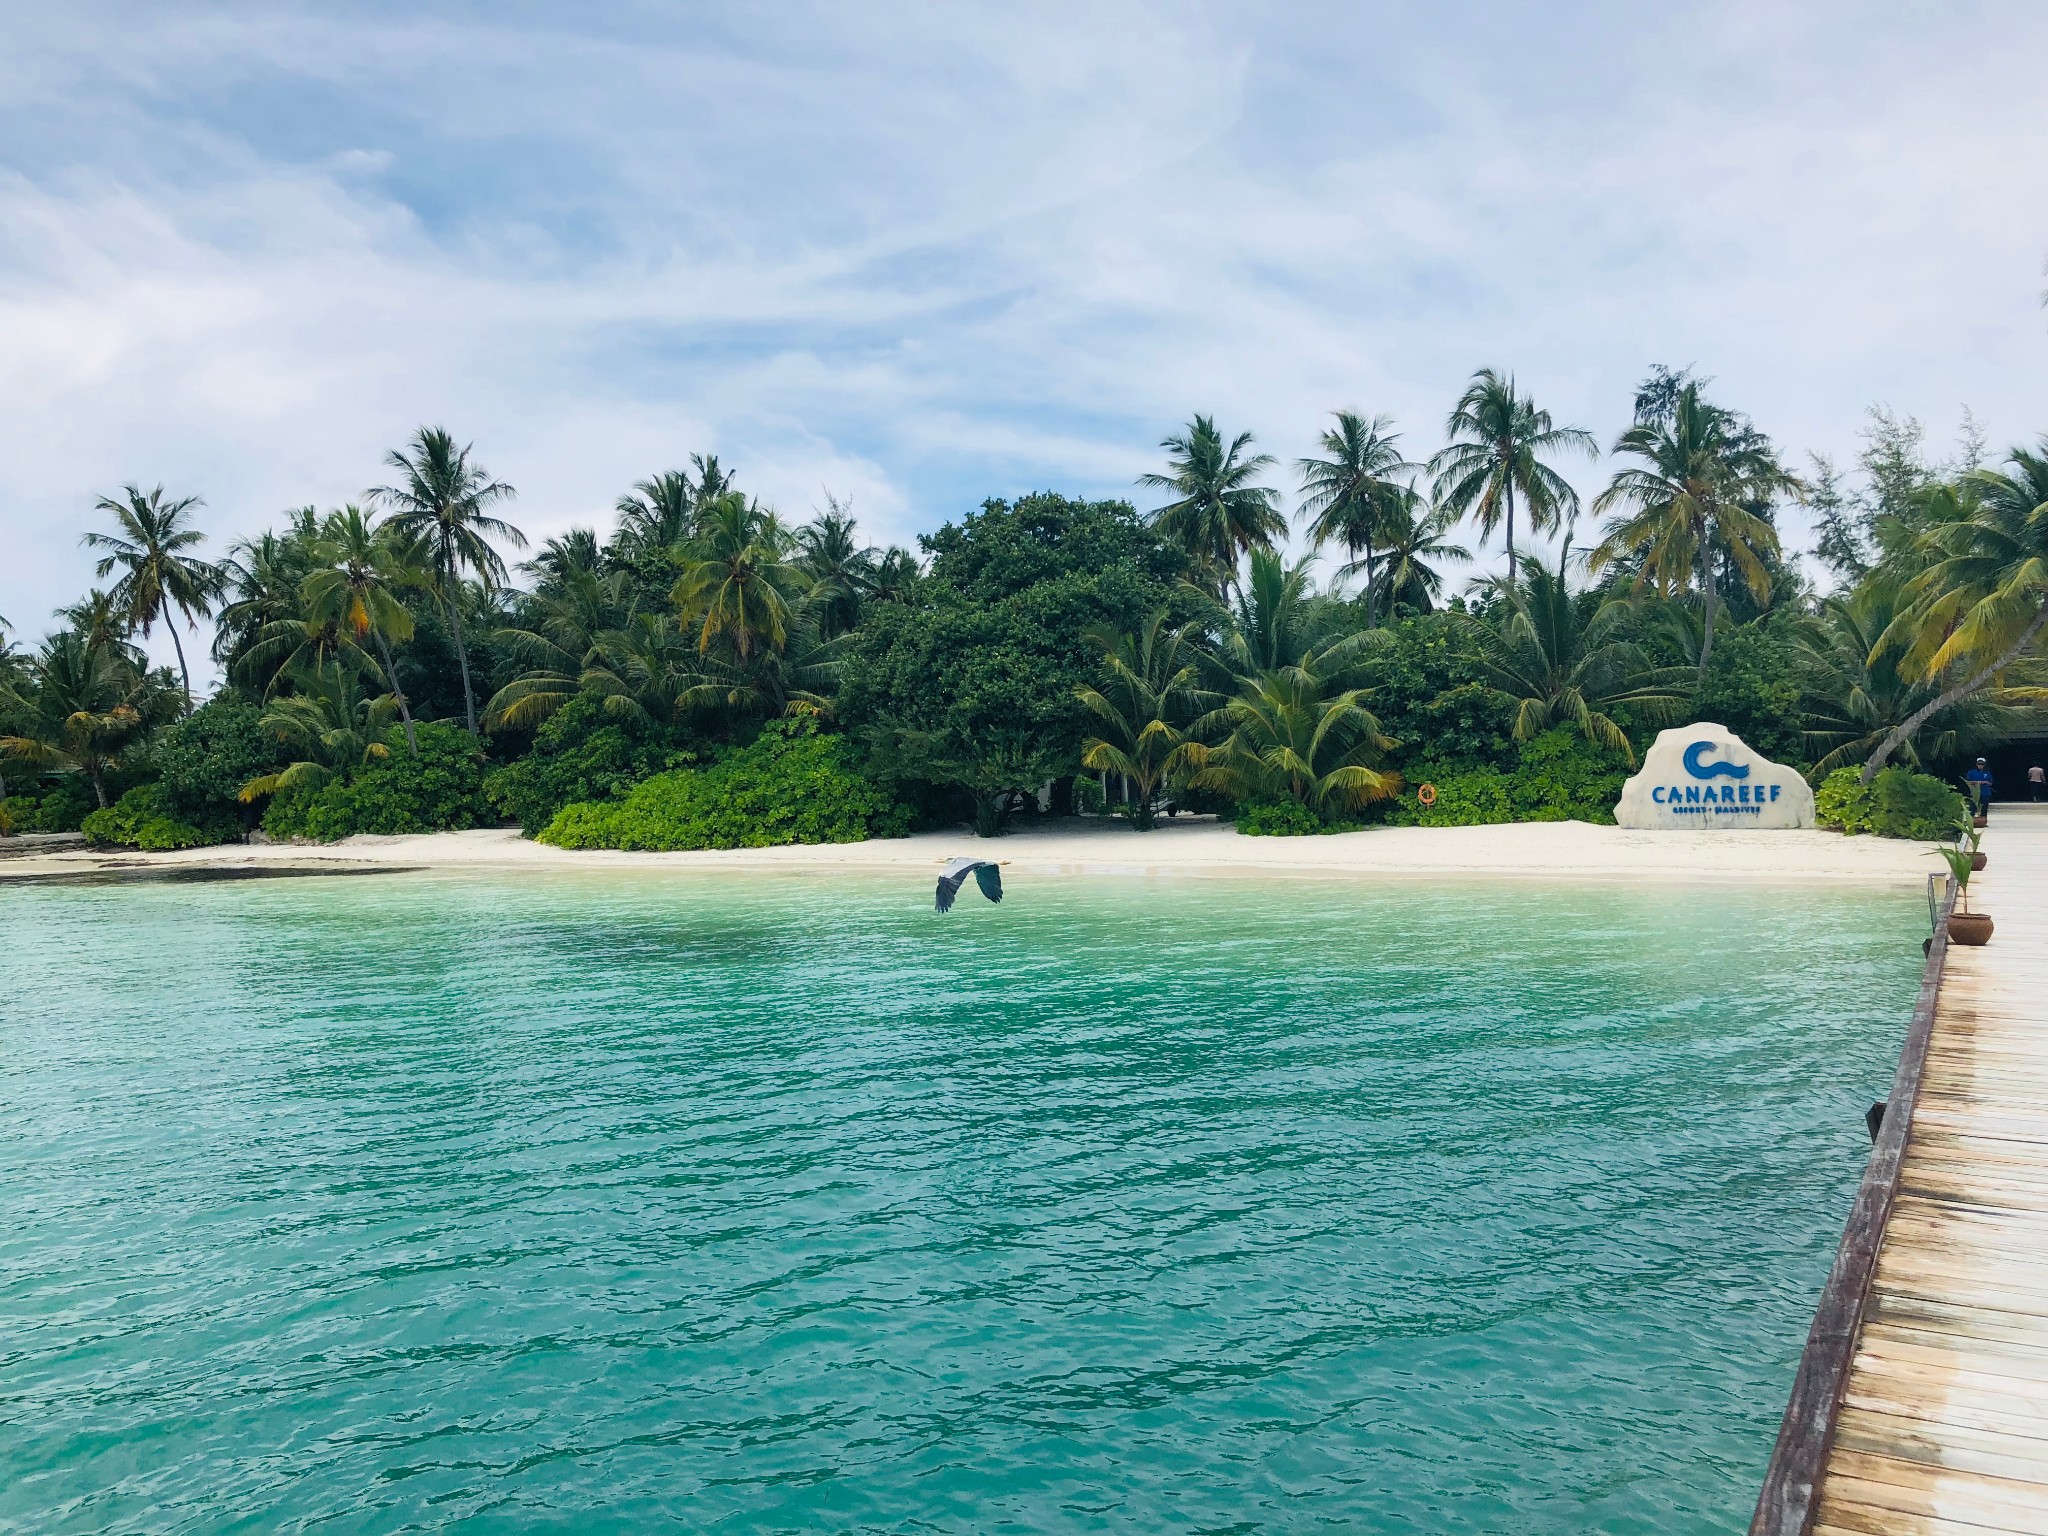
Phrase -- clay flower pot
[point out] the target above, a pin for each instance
(1977, 862)
(1971, 928)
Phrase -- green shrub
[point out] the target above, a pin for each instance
(61, 808)
(1283, 818)
(145, 818)
(204, 760)
(793, 785)
(440, 790)
(581, 753)
(1843, 801)
(1559, 776)
(1897, 803)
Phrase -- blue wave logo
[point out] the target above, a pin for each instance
(1705, 770)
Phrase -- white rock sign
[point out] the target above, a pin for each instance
(1702, 778)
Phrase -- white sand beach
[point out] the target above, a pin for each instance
(1568, 850)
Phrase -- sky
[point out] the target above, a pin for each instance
(921, 255)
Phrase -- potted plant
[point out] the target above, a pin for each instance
(1964, 926)
(1969, 832)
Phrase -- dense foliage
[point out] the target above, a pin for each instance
(711, 674)
(792, 785)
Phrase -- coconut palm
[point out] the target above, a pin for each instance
(1499, 442)
(441, 505)
(896, 577)
(561, 647)
(1560, 657)
(330, 725)
(1360, 493)
(263, 577)
(654, 516)
(1984, 600)
(356, 591)
(737, 578)
(795, 678)
(1857, 692)
(151, 546)
(1219, 513)
(1150, 693)
(1416, 545)
(1692, 500)
(559, 557)
(1295, 733)
(84, 707)
(101, 620)
(838, 566)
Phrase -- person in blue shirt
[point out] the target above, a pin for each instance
(1979, 780)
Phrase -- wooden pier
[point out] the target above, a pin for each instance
(1921, 1404)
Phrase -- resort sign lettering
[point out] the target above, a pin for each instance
(1703, 777)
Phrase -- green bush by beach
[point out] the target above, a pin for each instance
(146, 818)
(1557, 776)
(1897, 803)
(440, 790)
(584, 752)
(792, 785)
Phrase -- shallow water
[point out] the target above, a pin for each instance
(759, 1203)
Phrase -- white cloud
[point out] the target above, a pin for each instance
(922, 256)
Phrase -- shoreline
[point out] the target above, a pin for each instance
(1555, 850)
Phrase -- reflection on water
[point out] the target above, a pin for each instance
(770, 1203)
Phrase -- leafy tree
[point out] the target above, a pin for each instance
(203, 761)
(737, 579)
(974, 684)
(442, 504)
(1842, 541)
(1692, 497)
(439, 790)
(1357, 496)
(1982, 603)
(838, 567)
(85, 709)
(1219, 512)
(1150, 693)
(1499, 441)
(1415, 544)
(356, 592)
(585, 751)
(151, 547)
(1559, 657)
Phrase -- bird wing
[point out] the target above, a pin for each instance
(990, 878)
(951, 878)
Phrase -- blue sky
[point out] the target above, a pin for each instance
(922, 255)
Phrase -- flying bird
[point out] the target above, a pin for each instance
(987, 874)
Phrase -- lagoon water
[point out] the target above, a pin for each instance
(759, 1203)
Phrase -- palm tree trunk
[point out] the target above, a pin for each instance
(1370, 605)
(1904, 730)
(184, 672)
(1707, 629)
(99, 787)
(1512, 571)
(462, 659)
(404, 712)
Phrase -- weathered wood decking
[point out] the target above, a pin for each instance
(1921, 1406)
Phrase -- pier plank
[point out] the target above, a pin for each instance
(1938, 1423)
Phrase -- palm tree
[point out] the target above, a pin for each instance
(1701, 477)
(330, 726)
(570, 646)
(101, 620)
(1218, 513)
(737, 579)
(441, 505)
(356, 591)
(896, 577)
(264, 575)
(1297, 734)
(1149, 695)
(1560, 657)
(1857, 692)
(576, 550)
(1498, 443)
(1353, 497)
(1984, 600)
(150, 547)
(655, 516)
(838, 565)
(1407, 564)
(84, 707)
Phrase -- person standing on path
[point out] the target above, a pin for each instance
(2037, 782)
(1979, 780)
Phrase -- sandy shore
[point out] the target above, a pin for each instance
(1553, 850)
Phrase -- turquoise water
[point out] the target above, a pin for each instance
(763, 1204)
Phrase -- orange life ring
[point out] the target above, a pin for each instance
(1426, 794)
